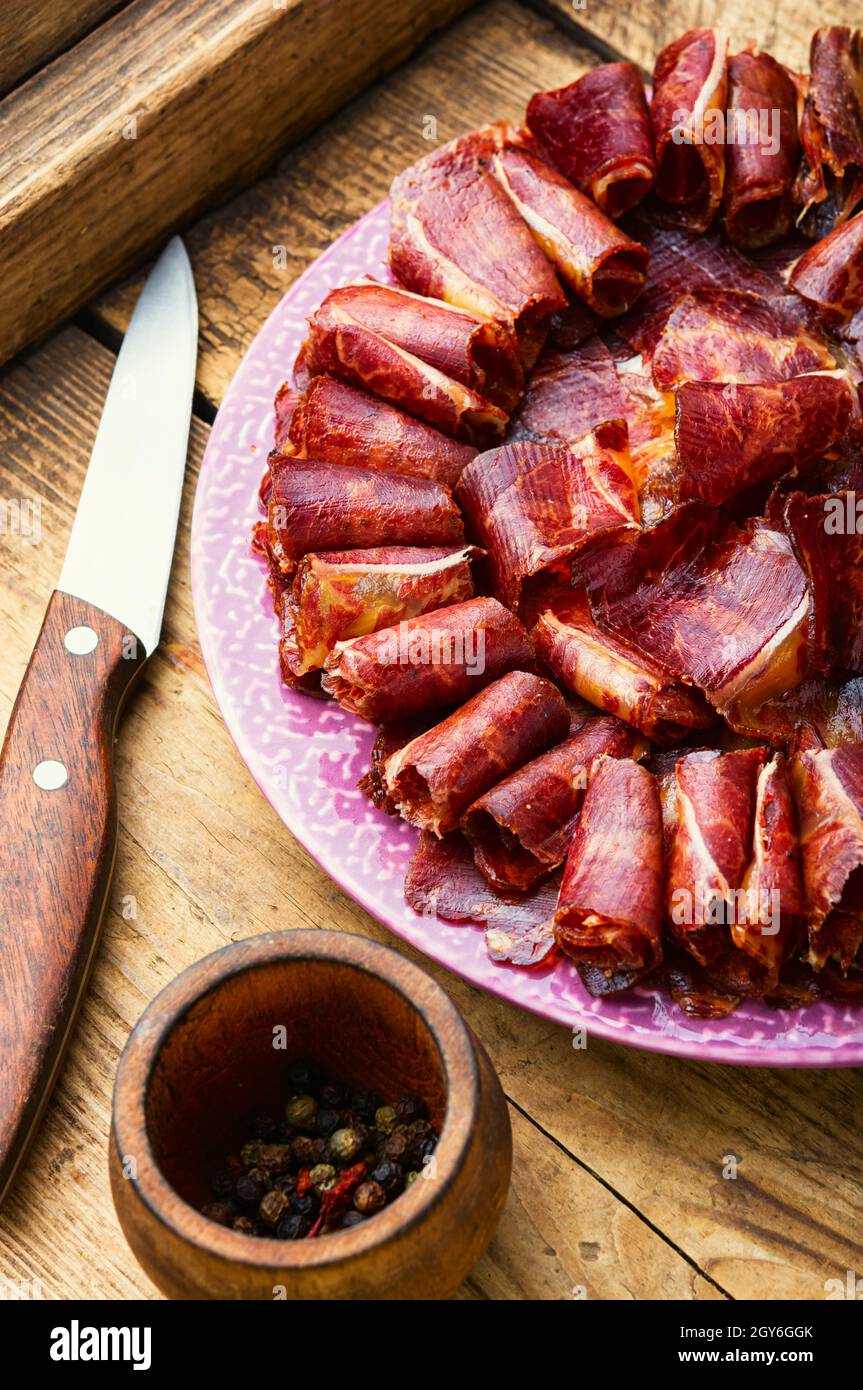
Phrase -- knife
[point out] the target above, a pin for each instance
(58, 809)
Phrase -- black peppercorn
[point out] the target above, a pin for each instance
(333, 1097)
(364, 1104)
(304, 1206)
(222, 1183)
(222, 1211)
(369, 1198)
(235, 1165)
(321, 1150)
(395, 1147)
(262, 1176)
(274, 1158)
(293, 1227)
(284, 1132)
(387, 1175)
(328, 1122)
(249, 1153)
(304, 1076)
(274, 1207)
(286, 1182)
(249, 1190)
(352, 1218)
(301, 1111)
(409, 1108)
(244, 1225)
(303, 1151)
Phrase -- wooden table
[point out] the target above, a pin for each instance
(619, 1187)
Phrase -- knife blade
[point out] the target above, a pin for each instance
(58, 812)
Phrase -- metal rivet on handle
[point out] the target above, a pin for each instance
(50, 775)
(80, 641)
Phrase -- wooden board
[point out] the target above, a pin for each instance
(619, 1185)
(32, 32)
(160, 111)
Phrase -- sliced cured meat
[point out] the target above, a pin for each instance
(733, 886)
(435, 778)
(457, 236)
(334, 423)
(689, 100)
(828, 790)
(693, 990)
(521, 829)
(730, 436)
(436, 659)
(319, 506)
(570, 393)
(443, 881)
(613, 675)
(830, 181)
(349, 338)
(534, 506)
(284, 406)
(761, 158)
(604, 266)
(340, 594)
(820, 713)
(727, 613)
(827, 543)
(735, 336)
(610, 909)
(830, 274)
(390, 738)
(597, 132)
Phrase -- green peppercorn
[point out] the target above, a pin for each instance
(249, 1153)
(293, 1227)
(369, 1197)
(385, 1119)
(222, 1211)
(301, 1111)
(410, 1178)
(274, 1207)
(274, 1158)
(345, 1146)
(322, 1177)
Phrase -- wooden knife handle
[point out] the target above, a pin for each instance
(58, 839)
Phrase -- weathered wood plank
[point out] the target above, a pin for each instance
(32, 32)
(158, 113)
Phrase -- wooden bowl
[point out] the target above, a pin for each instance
(213, 1049)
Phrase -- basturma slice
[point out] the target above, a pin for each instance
(443, 881)
(826, 541)
(597, 133)
(760, 167)
(320, 506)
(439, 658)
(335, 423)
(830, 274)
(434, 779)
(610, 910)
(614, 675)
(689, 98)
(339, 594)
(521, 829)
(830, 181)
(828, 791)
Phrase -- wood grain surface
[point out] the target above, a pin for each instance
(32, 32)
(622, 1181)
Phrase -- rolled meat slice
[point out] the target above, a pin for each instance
(320, 506)
(830, 274)
(340, 594)
(760, 162)
(334, 423)
(521, 829)
(731, 436)
(828, 791)
(534, 506)
(597, 132)
(688, 110)
(349, 338)
(610, 910)
(436, 777)
(830, 181)
(463, 346)
(614, 676)
(569, 394)
(439, 658)
(604, 266)
(823, 531)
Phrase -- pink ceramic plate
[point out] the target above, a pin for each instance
(308, 756)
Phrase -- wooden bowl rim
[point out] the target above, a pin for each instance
(439, 1014)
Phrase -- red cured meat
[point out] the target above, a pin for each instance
(830, 274)
(830, 182)
(443, 881)
(436, 659)
(734, 336)
(341, 594)
(819, 713)
(334, 423)
(597, 133)
(610, 911)
(390, 738)
(728, 615)
(759, 176)
(613, 675)
(284, 406)
(570, 393)
(690, 76)
(823, 531)
(828, 790)
(536, 505)
(435, 778)
(732, 436)
(456, 236)
(597, 260)
(521, 829)
(318, 506)
(348, 338)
